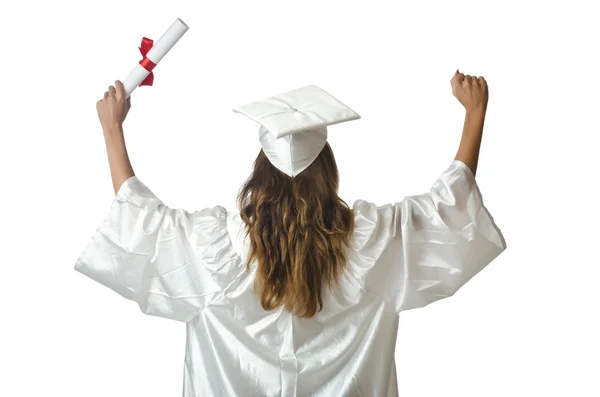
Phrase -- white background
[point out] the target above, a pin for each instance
(525, 326)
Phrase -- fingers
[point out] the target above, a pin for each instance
(117, 90)
(458, 79)
(120, 88)
(467, 79)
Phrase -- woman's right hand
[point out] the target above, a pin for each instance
(471, 91)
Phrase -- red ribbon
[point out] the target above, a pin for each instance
(147, 63)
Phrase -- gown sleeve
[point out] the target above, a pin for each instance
(447, 237)
(167, 260)
(427, 246)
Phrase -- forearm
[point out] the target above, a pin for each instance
(470, 143)
(118, 159)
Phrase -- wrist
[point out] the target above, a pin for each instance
(476, 112)
(113, 129)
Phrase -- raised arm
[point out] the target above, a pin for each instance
(112, 110)
(472, 93)
(118, 159)
(439, 240)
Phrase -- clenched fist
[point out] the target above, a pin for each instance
(471, 91)
(113, 109)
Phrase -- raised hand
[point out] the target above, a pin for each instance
(471, 91)
(113, 108)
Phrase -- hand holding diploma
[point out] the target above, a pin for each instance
(113, 108)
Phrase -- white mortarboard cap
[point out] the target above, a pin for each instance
(294, 124)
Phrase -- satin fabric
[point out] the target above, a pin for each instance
(190, 267)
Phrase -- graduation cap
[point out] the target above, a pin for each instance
(293, 125)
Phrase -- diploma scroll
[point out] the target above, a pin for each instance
(154, 56)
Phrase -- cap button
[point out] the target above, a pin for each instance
(293, 109)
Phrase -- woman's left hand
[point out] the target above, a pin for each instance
(113, 109)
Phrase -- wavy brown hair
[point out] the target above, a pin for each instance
(298, 229)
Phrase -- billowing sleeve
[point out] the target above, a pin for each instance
(167, 260)
(447, 237)
(427, 246)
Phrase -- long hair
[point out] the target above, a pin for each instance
(298, 229)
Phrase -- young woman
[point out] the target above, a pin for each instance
(297, 294)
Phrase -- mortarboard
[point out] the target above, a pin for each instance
(293, 125)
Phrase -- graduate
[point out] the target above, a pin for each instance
(294, 293)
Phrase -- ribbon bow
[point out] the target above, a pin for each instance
(147, 63)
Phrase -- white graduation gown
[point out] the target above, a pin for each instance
(190, 267)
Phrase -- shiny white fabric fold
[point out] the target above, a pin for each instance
(190, 267)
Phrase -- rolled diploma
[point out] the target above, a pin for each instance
(156, 53)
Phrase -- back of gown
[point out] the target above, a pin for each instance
(191, 267)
